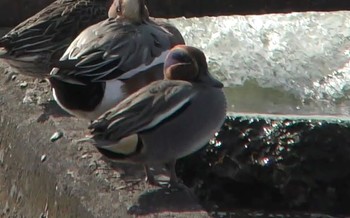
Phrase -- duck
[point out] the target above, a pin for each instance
(110, 60)
(167, 119)
(33, 46)
(177, 37)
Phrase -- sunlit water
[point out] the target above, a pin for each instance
(294, 63)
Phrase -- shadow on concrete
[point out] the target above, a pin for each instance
(51, 108)
(135, 172)
(165, 200)
(155, 199)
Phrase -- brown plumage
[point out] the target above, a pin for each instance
(36, 44)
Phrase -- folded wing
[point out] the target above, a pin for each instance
(112, 48)
(53, 28)
(143, 110)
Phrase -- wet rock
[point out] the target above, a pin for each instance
(273, 164)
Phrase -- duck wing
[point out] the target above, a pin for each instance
(114, 48)
(143, 110)
(53, 28)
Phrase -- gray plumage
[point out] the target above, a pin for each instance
(172, 118)
(111, 48)
(112, 59)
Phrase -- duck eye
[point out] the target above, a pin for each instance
(181, 57)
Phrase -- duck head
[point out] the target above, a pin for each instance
(133, 10)
(188, 63)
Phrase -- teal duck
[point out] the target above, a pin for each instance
(166, 120)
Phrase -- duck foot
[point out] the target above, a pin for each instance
(150, 177)
(174, 183)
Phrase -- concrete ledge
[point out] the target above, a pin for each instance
(63, 179)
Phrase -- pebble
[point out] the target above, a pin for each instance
(57, 135)
(23, 84)
(43, 157)
(2, 156)
(93, 166)
(27, 100)
(84, 156)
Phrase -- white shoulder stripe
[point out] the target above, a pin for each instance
(158, 119)
(158, 60)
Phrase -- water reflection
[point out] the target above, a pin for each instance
(295, 63)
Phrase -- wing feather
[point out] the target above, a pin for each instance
(54, 27)
(143, 110)
(113, 47)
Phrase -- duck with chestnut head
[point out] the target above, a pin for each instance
(166, 120)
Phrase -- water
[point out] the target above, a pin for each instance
(294, 64)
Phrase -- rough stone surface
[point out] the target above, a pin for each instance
(40, 178)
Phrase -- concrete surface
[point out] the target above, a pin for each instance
(40, 178)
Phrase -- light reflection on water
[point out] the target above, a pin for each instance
(295, 63)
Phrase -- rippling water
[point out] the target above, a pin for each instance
(294, 63)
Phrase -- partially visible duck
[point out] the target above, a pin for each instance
(176, 37)
(35, 44)
(110, 60)
(166, 120)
